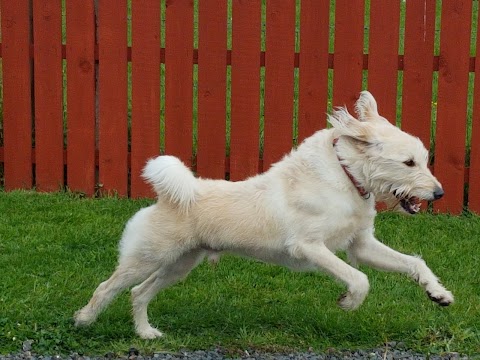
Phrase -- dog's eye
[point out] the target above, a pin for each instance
(409, 163)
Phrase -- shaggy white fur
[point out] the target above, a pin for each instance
(297, 214)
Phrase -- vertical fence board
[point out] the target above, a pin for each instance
(452, 89)
(348, 58)
(47, 34)
(245, 98)
(212, 50)
(314, 30)
(113, 132)
(145, 141)
(245, 61)
(383, 56)
(17, 110)
(179, 80)
(474, 178)
(81, 96)
(418, 69)
(279, 65)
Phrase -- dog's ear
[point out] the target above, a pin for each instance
(346, 125)
(367, 110)
(366, 107)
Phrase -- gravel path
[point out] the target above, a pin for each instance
(392, 351)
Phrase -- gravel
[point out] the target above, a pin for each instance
(391, 351)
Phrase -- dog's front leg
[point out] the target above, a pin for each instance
(366, 249)
(356, 281)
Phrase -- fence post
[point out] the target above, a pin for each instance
(112, 97)
(244, 135)
(452, 90)
(145, 90)
(212, 78)
(47, 30)
(81, 140)
(17, 93)
(348, 57)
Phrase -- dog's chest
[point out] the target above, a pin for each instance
(344, 228)
(335, 225)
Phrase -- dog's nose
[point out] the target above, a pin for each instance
(438, 193)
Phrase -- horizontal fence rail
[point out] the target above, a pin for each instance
(92, 89)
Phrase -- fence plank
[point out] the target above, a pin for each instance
(179, 80)
(113, 132)
(47, 33)
(314, 30)
(418, 69)
(383, 56)
(279, 65)
(145, 141)
(81, 96)
(17, 109)
(474, 178)
(212, 48)
(348, 57)
(245, 103)
(452, 89)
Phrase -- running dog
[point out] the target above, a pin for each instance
(317, 200)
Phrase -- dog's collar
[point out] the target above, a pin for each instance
(361, 190)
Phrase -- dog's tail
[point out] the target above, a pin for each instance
(170, 178)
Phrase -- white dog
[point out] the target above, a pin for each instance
(319, 199)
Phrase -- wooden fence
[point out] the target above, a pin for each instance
(91, 89)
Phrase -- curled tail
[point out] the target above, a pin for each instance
(171, 179)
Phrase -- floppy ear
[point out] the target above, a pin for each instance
(346, 125)
(366, 107)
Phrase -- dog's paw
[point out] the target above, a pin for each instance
(357, 292)
(83, 318)
(349, 301)
(442, 297)
(149, 333)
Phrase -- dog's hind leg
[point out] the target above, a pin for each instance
(166, 275)
(366, 249)
(129, 272)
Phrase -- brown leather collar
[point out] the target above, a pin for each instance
(361, 190)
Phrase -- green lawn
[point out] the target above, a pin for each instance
(56, 248)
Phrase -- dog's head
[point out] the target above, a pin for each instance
(386, 161)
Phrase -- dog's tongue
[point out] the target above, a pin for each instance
(411, 205)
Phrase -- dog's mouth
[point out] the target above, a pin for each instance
(411, 205)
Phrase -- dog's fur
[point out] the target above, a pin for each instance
(297, 214)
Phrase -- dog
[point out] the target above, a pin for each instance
(320, 198)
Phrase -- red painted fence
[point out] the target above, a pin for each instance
(136, 78)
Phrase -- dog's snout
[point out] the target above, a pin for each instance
(438, 193)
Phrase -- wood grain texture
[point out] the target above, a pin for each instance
(212, 77)
(452, 89)
(81, 142)
(17, 94)
(145, 90)
(245, 98)
(314, 29)
(279, 65)
(113, 129)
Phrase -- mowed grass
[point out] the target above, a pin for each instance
(56, 248)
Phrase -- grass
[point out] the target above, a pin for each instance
(56, 248)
